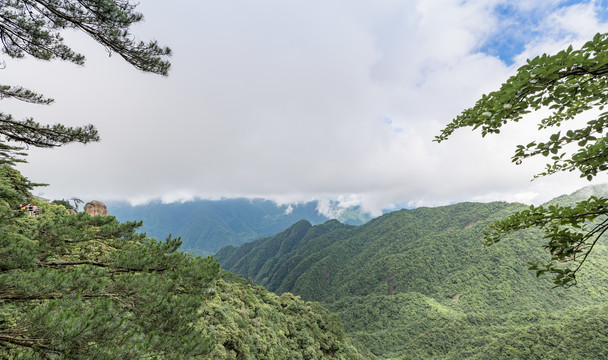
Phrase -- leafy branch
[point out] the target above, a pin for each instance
(569, 84)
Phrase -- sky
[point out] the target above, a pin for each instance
(303, 100)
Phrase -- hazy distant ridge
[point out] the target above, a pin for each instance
(207, 225)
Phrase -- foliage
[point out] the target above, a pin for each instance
(14, 188)
(34, 27)
(419, 284)
(570, 83)
(66, 204)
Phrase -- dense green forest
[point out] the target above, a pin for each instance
(73, 286)
(419, 284)
(205, 226)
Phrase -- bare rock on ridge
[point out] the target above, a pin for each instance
(95, 208)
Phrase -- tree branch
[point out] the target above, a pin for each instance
(31, 343)
(100, 264)
(17, 297)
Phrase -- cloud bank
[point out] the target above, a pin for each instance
(300, 101)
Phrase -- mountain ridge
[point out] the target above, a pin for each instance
(426, 271)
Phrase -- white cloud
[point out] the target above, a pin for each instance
(289, 101)
(330, 209)
(289, 209)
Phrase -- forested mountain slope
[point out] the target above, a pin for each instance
(207, 225)
(249, 322)
(421, 284)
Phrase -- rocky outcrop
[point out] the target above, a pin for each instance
(95, 208)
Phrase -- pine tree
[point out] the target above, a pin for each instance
(33, 27)
(82, 287)
(75, 286)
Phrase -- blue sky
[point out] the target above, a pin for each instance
(303, 100)
(517, 26)
(515, 30)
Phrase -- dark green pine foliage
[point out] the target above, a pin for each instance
(82, 287)
(420, 284)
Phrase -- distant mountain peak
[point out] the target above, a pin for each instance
(599, 190)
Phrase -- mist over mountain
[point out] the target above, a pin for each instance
(207, 225)
(420, 284)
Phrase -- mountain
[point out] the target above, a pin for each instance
(420, 284)
(207, 225)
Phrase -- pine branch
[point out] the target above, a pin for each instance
(19, 297)
(31, 343)
(72, 263)
(100, 264)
